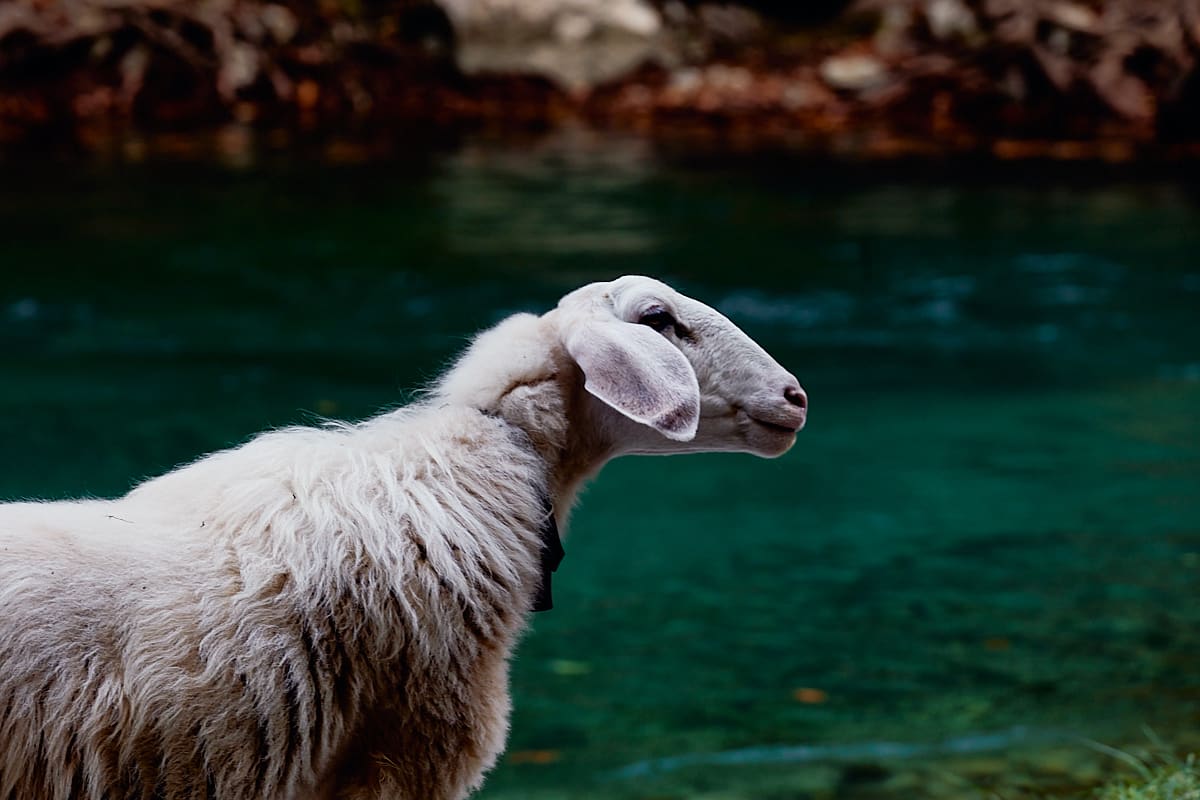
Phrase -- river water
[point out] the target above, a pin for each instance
(983, 550)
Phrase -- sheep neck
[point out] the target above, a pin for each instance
(555, 415)
(520, 372)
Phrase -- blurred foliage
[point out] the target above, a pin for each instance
(1179, 780)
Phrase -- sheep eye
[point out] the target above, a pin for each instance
(657, 318)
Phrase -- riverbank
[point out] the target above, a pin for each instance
(1006, 80)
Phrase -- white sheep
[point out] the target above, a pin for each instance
(329, 612)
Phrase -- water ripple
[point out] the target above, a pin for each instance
(857, 751)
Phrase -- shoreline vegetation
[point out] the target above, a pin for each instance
(1175, 780)
(1006, 80)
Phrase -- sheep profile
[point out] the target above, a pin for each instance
(329, 612)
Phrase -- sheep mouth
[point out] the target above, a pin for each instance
(789, 430)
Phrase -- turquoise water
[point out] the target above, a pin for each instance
(985, 545)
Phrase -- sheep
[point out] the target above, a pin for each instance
(330, 611)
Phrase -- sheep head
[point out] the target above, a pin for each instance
(673, 375)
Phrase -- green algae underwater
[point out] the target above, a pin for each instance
(981, 556)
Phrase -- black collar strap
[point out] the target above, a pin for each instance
(552, 550)
(551, 556)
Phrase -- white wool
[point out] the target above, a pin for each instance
(203, 624)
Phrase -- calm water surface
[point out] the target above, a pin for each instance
(986, 541)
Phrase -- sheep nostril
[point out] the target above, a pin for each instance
(796, 396)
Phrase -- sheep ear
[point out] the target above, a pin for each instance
(638, 373)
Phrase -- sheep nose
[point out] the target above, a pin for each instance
(796, 396)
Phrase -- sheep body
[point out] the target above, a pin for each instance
(315, 610)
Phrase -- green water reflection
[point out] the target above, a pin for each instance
(991, 521)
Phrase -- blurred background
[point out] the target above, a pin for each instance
(970, 228)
